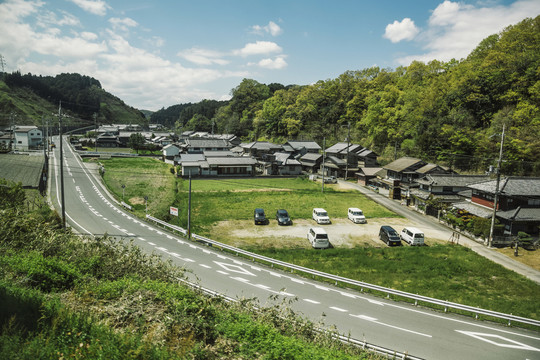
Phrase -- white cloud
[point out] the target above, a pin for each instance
(274, 64)
(203, 56)
(258, 48)
(122, 24)
(455, 29)
(272, 28)
(404, 30)
(96, 7)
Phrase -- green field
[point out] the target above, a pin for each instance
(447, 272)
(219, 200)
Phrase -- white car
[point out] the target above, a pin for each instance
(356, 216)
(318, 238)
(320, 216)
(412, 236)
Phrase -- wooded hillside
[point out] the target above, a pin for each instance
(28, 98)
(446, 112)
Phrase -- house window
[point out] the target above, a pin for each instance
(534, 202)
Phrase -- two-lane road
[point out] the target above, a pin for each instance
(399, 326)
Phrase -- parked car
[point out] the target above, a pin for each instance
(389, 236)
(330, 180)
(356, 216)
(412, 236)
(320, 216)
(259, 217)
(318, 238)
(283, 218)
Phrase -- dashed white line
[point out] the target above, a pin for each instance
(205, 266)
(338, 309)
(312, 301)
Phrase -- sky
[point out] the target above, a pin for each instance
(153, 54)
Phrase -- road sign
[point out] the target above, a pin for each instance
(174, 211)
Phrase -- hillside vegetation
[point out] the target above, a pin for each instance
(64, 297)
(30, 98)
(445, 112)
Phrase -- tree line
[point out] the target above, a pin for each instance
(447, 112)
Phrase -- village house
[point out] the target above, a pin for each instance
(311, 162)
(518, 205)
(283, 164)
(260, 150)
(27, 138)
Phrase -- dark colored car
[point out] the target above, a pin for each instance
(259, 216)
(282, 217)
(389, 236)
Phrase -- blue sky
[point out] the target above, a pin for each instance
(155, 54)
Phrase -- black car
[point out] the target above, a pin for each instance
(389, 236)
(259, 217)
(282, 217)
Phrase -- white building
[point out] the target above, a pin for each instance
(27, 137)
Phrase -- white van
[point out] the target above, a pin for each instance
(320, 216)
(356, 216)
(412, 236)
(318, 238)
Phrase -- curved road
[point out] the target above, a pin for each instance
(399, 326)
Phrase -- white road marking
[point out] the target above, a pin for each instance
(376, 302)
(322, 288)
(338, 309)
(222, 272)
(205, 266)
(364, 317)
(312, 301)
(298, 281)
(151, 243)
(347, 294)
(498, 340)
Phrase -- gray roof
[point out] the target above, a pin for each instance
(184, 158)
(231, 161)
(366, 153)
(520, 214)
(427, 168)
(452, 180)
(207, 143)
(403, 164)
(310, 145)
(261, 145)
(370, 171)
(511, 186)
(21, 129)
(223, 153)
(311, 156)
(474, 209)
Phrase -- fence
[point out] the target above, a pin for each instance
(446, 305)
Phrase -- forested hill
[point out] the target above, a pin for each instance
(448, 112)
(30, 97)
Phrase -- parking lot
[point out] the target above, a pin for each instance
(341, 232)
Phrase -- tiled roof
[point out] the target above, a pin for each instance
(403, 164)
(452, 180)
(520, 214)
(511, 186)
(312, 145)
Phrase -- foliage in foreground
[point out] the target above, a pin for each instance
(66, 297)
(447, 272)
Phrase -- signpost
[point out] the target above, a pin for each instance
(173, 211)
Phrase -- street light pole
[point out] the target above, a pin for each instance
(495, 199)
(63, 204)
(348, 146)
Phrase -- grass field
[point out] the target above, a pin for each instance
(226, 200)
(141, 177)
(446, 272)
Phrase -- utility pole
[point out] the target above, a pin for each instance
(495, 200)
(348, 146)
(95, 125)
(323, 159)
(189, 209)
(63, 204)
(12, 128)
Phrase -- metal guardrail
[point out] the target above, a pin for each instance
(362, 285)
(344, 339)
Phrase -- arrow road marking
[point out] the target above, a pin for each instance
(498, 340)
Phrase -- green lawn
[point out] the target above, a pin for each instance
(446, 272)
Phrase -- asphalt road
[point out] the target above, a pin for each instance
(402, 327)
